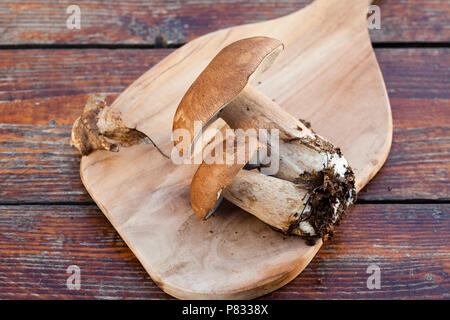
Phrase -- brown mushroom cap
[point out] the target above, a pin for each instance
(210, 179)
(222, 80)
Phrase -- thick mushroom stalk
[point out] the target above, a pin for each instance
(277, 202)
(306, 160)
(293, 209)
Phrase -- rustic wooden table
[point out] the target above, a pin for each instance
(48, 222)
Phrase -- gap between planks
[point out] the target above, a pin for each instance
(112, 46)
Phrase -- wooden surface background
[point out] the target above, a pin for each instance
(48, 221)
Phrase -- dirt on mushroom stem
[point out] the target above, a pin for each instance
(327, 190)
(330, 193)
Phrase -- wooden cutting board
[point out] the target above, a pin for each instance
(328, 75)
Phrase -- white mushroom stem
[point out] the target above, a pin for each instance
(314, 184)
(300, 149)
(279, 203)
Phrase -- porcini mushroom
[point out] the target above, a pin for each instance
(314, 185)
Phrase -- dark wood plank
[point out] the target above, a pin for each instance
(43, 74)
(141, 22)
(41, 94)
(43, 91)
(38, 244)
(418, 166)
(410, 244)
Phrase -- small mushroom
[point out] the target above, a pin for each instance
(314, 185)
(211, 179)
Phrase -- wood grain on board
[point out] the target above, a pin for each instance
(43, 91)
(141, 22)
(410, 244)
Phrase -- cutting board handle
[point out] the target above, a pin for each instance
(360, 5)
(348, 3)
(354, 9)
